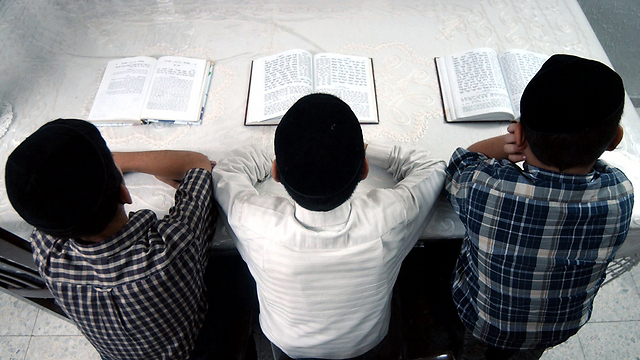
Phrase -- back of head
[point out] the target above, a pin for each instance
(570, 110)
(62, 179)
(319, 152)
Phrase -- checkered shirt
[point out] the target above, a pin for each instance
(139, 294)
(536, 248)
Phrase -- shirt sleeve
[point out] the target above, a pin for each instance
(419, 182)
(237, 175)
(461, 160)
(459, 177)
(194, 204)
(407, 166)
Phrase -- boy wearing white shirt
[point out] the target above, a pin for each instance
(325, 262)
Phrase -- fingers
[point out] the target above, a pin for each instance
(510, 139)
(517, 157)
(514, 152)
(511, 148)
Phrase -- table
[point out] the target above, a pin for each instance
(54, 53)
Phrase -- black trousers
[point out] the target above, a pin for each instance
(494, 353)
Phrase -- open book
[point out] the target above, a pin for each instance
(278, 81)
(143, 89)
(482, 85)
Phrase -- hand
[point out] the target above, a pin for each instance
(511, 148)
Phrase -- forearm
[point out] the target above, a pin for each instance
(400, 161)
(169, 164)
(491, 148)
(237, 175)
(420, 180)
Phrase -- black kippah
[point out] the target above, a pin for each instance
(319, 147)
(57, 177)
(571, 94)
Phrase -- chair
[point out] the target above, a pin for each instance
(431, 328)
(233, 306)
(446, 356)
(19, 275)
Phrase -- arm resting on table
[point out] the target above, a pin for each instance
(167, 165)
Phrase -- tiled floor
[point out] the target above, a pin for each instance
(27, 332)
(614, 329)
(613, 332)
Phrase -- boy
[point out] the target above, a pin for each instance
(325, 262)
(133, 285)
(539, 240)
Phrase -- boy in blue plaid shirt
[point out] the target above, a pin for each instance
(539, 238)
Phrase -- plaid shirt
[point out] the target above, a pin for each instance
(139, 294)
(536, 249)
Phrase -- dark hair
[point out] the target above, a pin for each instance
(568, 150)
(63, 180)
(319, 152)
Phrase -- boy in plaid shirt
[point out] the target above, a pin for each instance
(132, 283)
(539, 238)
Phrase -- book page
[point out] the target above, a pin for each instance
(176, 90)
(448, 104)
(121, 92)
(351, 79)
(277, 82)
(518, 67)
(477, 84)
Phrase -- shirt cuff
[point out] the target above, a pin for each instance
(379, 155)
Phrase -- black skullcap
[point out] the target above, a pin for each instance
(57, 178)
(319, 149)
(571, 94)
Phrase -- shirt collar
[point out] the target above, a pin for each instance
(336, 218)
(542, 174)
(120, 240)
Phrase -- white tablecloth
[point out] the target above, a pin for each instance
(54, 52)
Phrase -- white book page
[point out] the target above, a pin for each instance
(518, 67)
(175, 93)
(478, 85)
(277, 82)
(445, 90)
(121, 92)
(351, 79)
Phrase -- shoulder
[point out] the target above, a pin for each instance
(462, 154)
(614, 174)
(43, 245)
(259, 212)
(613, 179)
(462, 159)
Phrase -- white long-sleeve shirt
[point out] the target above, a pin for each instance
(325, 279)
